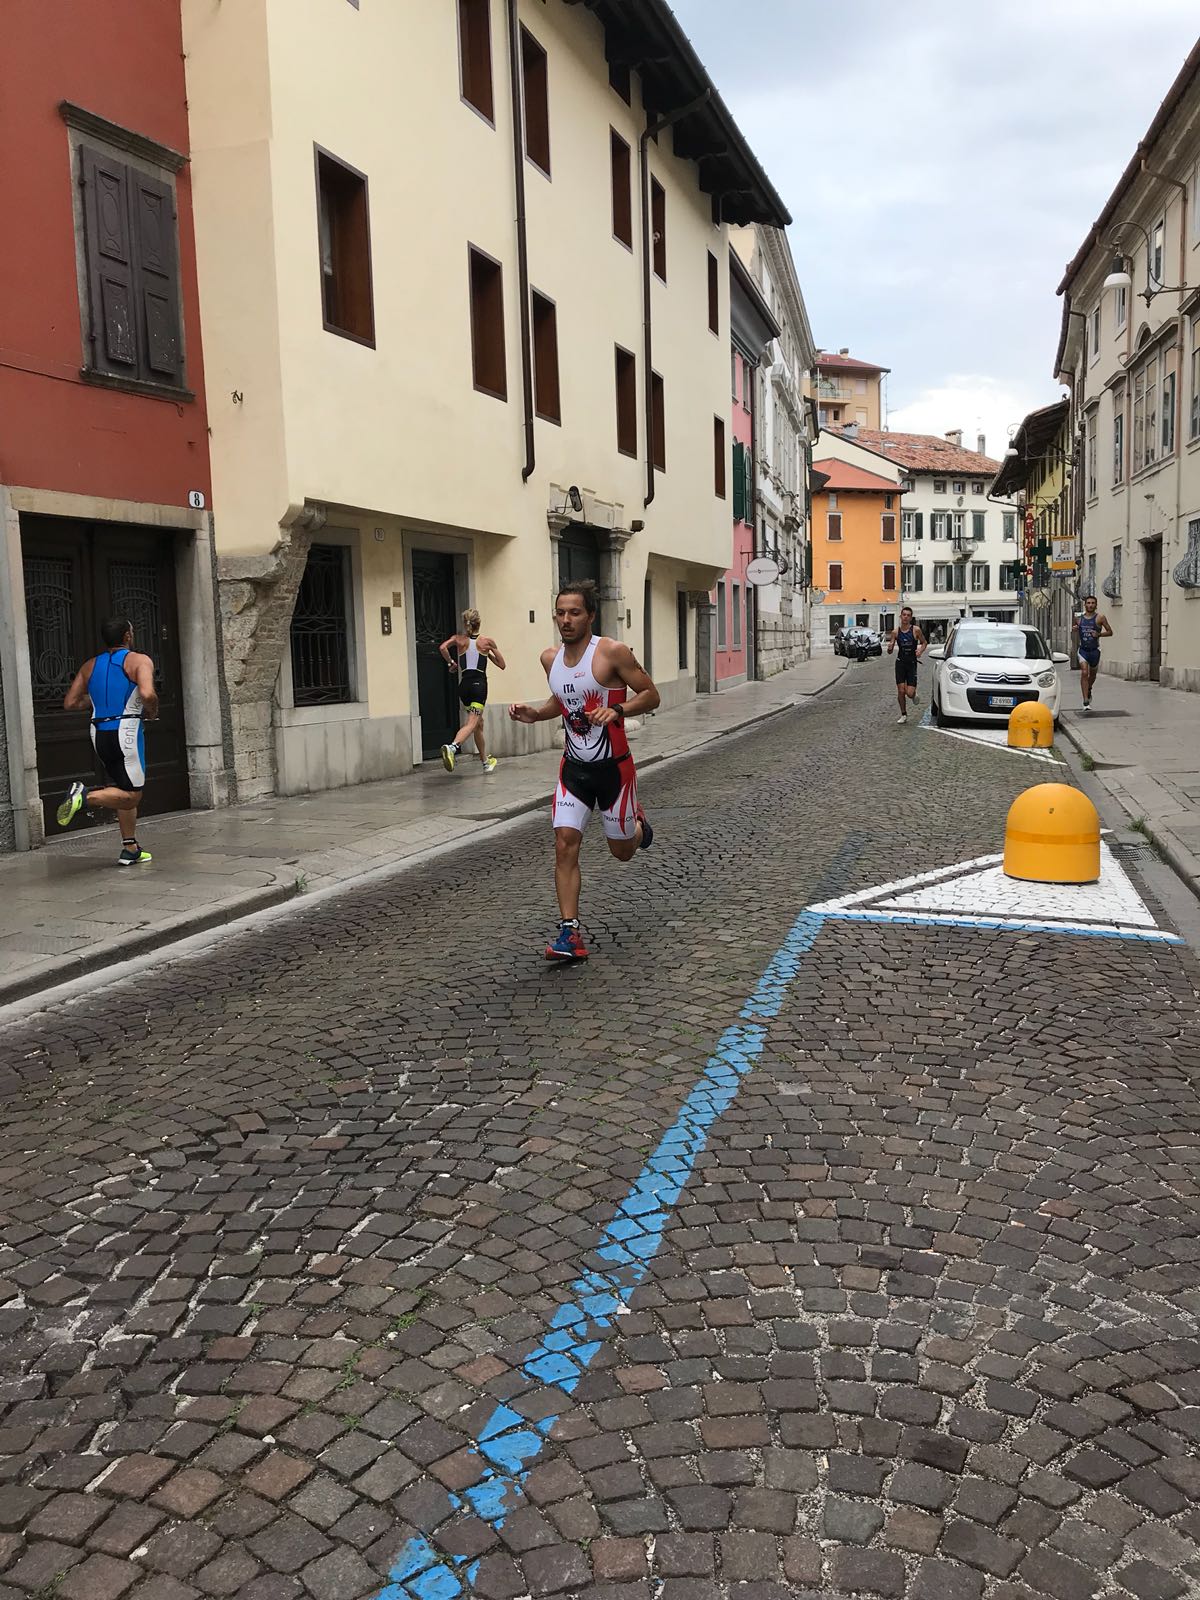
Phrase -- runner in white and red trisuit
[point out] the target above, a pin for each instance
(595, 683)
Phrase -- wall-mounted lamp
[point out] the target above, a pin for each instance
(1120, 272)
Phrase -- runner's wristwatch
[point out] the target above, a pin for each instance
(620, 711)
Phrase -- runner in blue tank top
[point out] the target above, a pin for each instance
(117, 686)
(1091, 625)
(909, 645)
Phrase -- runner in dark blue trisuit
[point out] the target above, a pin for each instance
(909, 644)
(1091, 625)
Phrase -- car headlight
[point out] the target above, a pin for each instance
(1047, 680)
(958, 677)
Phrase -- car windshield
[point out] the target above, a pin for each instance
(1019, 644)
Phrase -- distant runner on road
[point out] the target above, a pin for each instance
(1090, 626)
(470, 660)
(118, 687)
(909, 645)
(594, 684)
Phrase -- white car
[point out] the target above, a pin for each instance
(986, 668)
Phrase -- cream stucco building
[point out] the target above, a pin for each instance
(1130, 352)
(406, 383)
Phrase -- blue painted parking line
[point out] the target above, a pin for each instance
(507, 1443)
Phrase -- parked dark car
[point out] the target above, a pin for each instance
(859, 643)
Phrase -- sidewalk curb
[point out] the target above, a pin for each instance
(68, 968)
(1181, 862)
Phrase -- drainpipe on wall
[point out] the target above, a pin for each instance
(518, 117)
(652, 129)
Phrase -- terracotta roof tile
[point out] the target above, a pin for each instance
(842, 475)
(926, 452)
(830, 361)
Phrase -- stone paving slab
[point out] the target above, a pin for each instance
(210, 868)
(1145, 742)
(284, 1227)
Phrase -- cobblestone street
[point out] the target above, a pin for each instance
(348, 1258)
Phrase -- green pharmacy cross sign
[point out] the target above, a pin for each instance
(1041, 552)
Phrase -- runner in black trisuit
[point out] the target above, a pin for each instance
(909, 644)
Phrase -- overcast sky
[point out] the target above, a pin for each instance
(942, 162)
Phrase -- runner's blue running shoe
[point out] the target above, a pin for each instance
(568, 946)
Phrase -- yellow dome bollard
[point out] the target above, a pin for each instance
(1052, 835)
(1031, 726)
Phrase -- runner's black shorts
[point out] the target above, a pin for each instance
(472, 690)
(121, 755)
(596, 783)
(906, 670)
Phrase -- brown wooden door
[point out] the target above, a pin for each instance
(76, 574)
(1154, 604)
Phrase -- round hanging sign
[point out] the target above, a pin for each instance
(762, 570)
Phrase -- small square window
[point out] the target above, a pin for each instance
(939, 486)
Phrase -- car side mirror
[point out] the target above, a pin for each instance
(936, 652)
(1060, 660)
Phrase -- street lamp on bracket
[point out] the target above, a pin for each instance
(1120, 273)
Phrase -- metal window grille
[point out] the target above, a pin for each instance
(320, 630)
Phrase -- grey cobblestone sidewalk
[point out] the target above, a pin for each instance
(1145, 742)
(63, 913)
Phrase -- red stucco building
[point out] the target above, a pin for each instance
(104, 473)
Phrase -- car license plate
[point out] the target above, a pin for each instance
(1001, 700)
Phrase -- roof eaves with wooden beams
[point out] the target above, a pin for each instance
(646, 36)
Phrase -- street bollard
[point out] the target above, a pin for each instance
(1031, 726)
(1052, 835)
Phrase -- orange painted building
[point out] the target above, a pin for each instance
(856, 549)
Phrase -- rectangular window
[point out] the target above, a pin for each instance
(833, 500)
(475, 55)
(906, 524)
(622, 193)
(960, 486)
(1010, 527)
(619, 80)
(714, 294)
(546, 399)
(887, 527)
(345, 242)
(132, 270)
(737, 616)
(1118, 437)
(835, 575)
(1156, 253)
(978, 486)
(1170, 362)
(835, 622)
(978, 524)
(626, 403)
(862, 619)
(487, 325)
(887, 501)
(722, 623)
(681, 627)
(747, 386)
(658, 423)
(1194, 381)
(1093, 485)
(1010, 576)
(833, 525)
(939, 525)
(942, 578)
(320, 630)
(658, 226)
(958, 526)
(980, 577)
(719, 458)
(912, 578)
(1145, 415)
(1116, 573)
(1091, 573)
(1122, 308)
(889, 575)
(939, 486)
(1094, 334)
(735, 362)
(535, 79)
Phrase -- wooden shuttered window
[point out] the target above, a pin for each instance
(132, 265)
(739, 481)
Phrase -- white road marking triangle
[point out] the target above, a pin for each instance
(976, 894)
(996, 738)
